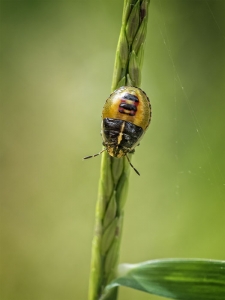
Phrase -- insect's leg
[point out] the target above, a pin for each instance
(132, 151)
(90, 156)
(132, 165)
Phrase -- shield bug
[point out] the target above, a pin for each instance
(126, 116)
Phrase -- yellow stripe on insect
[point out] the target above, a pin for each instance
(129, 101)
(120, 137)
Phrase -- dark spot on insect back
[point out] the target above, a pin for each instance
(128, 106)
(130, 97)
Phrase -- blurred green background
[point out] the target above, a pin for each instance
(56, 69)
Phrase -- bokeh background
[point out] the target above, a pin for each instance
(56, 69)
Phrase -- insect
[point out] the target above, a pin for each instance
(126, 116)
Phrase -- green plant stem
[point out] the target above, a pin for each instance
(114, 177)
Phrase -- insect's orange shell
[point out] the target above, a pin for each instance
(142, 116)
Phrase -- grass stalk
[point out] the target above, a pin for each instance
(114, 174)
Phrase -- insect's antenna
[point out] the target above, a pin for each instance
(90, 156)
(132, 165)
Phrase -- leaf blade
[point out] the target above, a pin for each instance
(183, 279)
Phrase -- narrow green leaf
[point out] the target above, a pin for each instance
(183, 279)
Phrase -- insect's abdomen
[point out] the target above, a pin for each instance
(119, 136)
